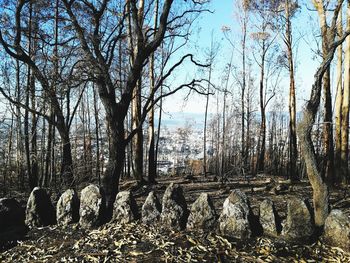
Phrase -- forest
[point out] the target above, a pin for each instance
(89, 172)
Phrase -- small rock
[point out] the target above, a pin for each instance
(67, 211)
(40, 211)
(337, 230)
(125, 208)
(202, 214)
(91, 207)
(151, 209)
(298, 226)
(279, 189)
(269, 219)
(174, 208)
(234, 219)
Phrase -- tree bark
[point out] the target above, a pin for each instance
(262, 134)
(152, 163)
(137, 141)
(318, 182)
(338, 102)
(293, 151)
(344, 149)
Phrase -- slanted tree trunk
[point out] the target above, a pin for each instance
(328, 36)
(318, 182)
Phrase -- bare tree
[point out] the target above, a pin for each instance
(318, 182)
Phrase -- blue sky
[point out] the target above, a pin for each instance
(304, 24)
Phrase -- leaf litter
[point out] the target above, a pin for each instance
(136, 242)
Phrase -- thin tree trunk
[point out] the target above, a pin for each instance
(19, 135)
(97, 134)
(138, 138)
(293, 151)
(338, 102)
(262, 133)
(344, 155)
(206, 112)
(159, 125)
(152, 166)
(26, 113)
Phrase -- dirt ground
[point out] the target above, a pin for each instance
(139, 243)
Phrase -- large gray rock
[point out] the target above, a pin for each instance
(337, 230)
(202, 214)
(298, 226)
(67, 210)
(11, 214)
(40, 211)
(125, 208)
(174, 208)
(91, 207)
(269, 219)
(12, 225)
(234, 218)
(151, 209)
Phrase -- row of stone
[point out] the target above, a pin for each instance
(236, 219)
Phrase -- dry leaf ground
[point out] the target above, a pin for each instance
(139, 243)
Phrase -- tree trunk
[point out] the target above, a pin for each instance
(159, 125)
(205, 127)
(328, 154)
(262, 133)
(328, 36)
(115, 164)
(318, 183)
(67, 160)
(319, 186)
(293, 151)
(33, 180)
(137, 141)
(151, 143)
(152, 165)
(97, 134)
(338, 102)
(244, 84)
(344, 154)
(19, 135)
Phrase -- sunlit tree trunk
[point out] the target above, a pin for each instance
(152, 165)
(262, 133)
(137, 140)
(328, 36)
(293, 151)
(338, 101)
(344, 154)
(318, 182)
